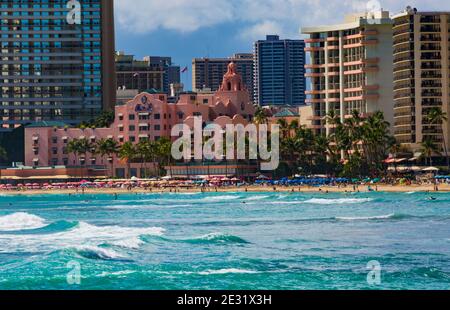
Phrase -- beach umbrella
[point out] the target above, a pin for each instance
(431, 169)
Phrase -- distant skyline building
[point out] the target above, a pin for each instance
(207, 73)
(171, 73)
(152, 72)
(57, 62)
(421, 76)
(279, 71)
(350, 68)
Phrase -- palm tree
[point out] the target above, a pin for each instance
(3, 153)
(164, 151)
(3, 156)
(260, 116)
(284, 128)
(429, 147)
(293, 126)
(74, 147)
(437, 117)
(110, 148)
(127, 153)
(395, 149)
(85, 147)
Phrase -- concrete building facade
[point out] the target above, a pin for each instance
(57, 61)
(141, 75)
(279, 72)
(350, 68)
(421, 76)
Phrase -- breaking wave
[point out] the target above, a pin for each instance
(319, 201)
(216, 238)
(368, 218)
(21, 221)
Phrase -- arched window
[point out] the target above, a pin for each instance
(229, 85)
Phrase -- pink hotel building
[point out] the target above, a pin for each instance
(147, 116)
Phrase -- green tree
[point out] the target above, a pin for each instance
(3, 153)
(428, 149)
(164, 152)
(437, 117)
(284, 128)
(3, 156)
(109, 148)
(127, 153)
(260, 117)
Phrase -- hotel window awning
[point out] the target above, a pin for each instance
(93, 137)
(35, 138)
(65, 138)
(143, 136)
(144, 113)
(110, 137)
(35, 160)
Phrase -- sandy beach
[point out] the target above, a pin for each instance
(305, 189)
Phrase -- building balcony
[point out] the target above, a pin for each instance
(314, 49)
(333, 47)
(311, 100)
(315, 66)
(363, 97)
(313, 74)
(315, 92)
(320, 40)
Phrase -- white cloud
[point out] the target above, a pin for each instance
(180, 15)
(260, 30)
(260, 16)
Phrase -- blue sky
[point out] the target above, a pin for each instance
(185, 29)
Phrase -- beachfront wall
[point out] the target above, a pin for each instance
(146, 117)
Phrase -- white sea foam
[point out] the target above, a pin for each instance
(117, 273)
(21, 221)
(381, 217)
(211, 272)
(226, 271)
(95, 251)
(130, 243)
(258, 197)
(82, 235)
(219, 198)
(340, 201)
(284, 202)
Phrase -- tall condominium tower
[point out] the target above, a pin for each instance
(207, 73)
(421, 76)
(350, 68)
(279, 72)
(57, 60)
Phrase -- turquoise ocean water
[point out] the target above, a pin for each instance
(216, 241)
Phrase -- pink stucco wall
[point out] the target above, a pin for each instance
(147, 116)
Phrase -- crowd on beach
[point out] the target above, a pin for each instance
(319, 184)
